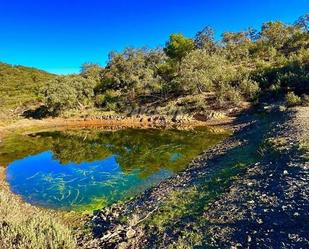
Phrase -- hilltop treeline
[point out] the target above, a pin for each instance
(195, 74)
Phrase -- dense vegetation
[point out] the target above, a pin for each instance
(19, 86)
(187, 75)
(193, 75)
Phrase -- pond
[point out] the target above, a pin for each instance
(87, 169)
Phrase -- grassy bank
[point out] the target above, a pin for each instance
(24, 226)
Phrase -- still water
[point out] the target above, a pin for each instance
(87, 169)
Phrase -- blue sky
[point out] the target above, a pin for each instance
(60, 35)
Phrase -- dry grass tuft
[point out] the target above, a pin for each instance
(23, 226)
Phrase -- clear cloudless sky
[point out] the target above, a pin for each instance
(59, 35)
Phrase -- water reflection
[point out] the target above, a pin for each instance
(87, 169)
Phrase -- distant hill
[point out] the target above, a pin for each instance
(19, 87)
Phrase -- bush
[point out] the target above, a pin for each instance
(249, 88)
(305, 100)
(25, 227)
(68, 92)
(292, 99)
(228, 95)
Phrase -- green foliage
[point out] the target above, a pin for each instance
(237, 45)
(303, 22)
(292, 99)
(201, 72)
(242, 66)
(26, 227)
(92, 71)
(178, 47)
(204, 39)
(130, 75)
(19, 87)
(109, 100)
(275, 34)
(68, 92)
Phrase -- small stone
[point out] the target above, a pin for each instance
(259, 221)
(130, 233)
(122, 245)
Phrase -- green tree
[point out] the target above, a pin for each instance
(66, 92)
(237, 45)
(275, 34)
(92, 71)
(204, 39)
(134, 73)
(201, 72)
(178, 47)
(303, 22)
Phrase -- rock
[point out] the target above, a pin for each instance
(122, 245)
(259, 221)
(130, 233)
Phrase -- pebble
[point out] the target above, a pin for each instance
(260, 221)
(130, 233)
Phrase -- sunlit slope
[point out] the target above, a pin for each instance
(19, 87)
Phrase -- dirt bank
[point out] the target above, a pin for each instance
(109, 122)
(250, 191)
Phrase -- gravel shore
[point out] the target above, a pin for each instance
(261, 203)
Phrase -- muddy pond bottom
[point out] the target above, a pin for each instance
(88, 169)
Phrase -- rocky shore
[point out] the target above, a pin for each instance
(116, 121)
(249, 191)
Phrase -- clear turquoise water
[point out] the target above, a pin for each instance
(88, 169)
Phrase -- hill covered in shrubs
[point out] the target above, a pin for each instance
(188, 75)
(19, 87)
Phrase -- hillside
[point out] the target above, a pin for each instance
(18, 87)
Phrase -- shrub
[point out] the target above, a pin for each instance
(292, 99)
(228, 95)
(68, 92)
(249, 88)
(305, 100)
(25, 227)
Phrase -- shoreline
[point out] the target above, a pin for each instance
(112, 123)
(125, 225)
(137, 223)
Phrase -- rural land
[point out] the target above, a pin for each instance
(248, 189)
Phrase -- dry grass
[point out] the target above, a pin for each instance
(23, 226)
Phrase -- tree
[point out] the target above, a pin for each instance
(92, 71)
(237, 44)
(134, 73)
(178, 47)
(200, 71)
(303, 22)
(204, 39)
(66, 92)
(275, 34)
